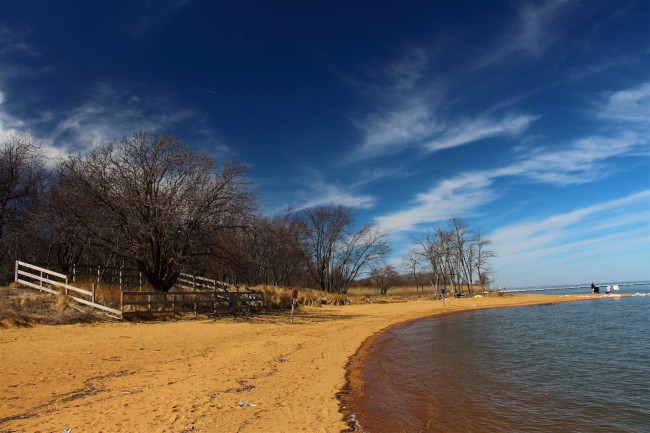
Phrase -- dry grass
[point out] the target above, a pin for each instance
(23, 307)
(107, 294)
(280, 297)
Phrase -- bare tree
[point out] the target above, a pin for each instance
(463, 251)
(482, 258)
(323, 229)
(384, 277)
(58, 229)
(22, 177)
(412, 263)
(336, 254)
(358, 251)
(153, 201)
(454, 256)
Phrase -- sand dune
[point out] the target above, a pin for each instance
(193, 375)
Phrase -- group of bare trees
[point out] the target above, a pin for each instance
(457, 256)
(153, 203)
(337, 253)
(22, 179)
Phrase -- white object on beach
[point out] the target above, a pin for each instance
(245, 403)
(615, 286)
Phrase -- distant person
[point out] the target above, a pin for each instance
(609, 290)
(594, 288)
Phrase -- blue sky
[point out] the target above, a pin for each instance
(530, 120)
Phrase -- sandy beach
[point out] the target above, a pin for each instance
(200, 375)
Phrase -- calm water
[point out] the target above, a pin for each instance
(571, 367)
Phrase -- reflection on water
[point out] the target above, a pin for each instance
(570, 367)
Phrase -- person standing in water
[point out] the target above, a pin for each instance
(594, 288)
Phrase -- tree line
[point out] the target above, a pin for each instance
(152, 203)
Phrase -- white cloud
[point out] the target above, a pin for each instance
(582, 161)
(13, 42)
(389, 132)
(471, 130)
(406, 73)
(9, 125)
(535, 21)
(535, 29)
(322, 193)
(418, 126)
(112, 112)
(598, 232)
(412, 112)
(456, 196)
(631, 105)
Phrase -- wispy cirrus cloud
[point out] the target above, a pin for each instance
(114, 111)
(534, 30)
(321, 193)
(413, 111)
(585, 160)
(405, 74)
(582, 161)
(472, 130)
(9, 125)
(602, 232)
(419, 127)
(629, 105)
(14, 42)
(456, 196)
(391, 131)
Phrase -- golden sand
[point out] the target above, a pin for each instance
(199, 375)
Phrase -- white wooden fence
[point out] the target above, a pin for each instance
(192, 282)
(205, 295)
(51, 282)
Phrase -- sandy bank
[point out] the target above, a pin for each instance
(192, 375)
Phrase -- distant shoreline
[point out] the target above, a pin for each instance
(541, 289)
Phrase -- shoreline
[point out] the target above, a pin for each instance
(352, 393)
(259, 373)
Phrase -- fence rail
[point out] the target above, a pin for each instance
(193, 282)
(51, 282)
(204, 295)
(212, 302)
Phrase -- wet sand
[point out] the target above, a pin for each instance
(200, 375)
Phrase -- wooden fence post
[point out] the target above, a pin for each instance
(16, 273)
(93, 290)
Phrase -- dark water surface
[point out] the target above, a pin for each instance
(569, 367)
